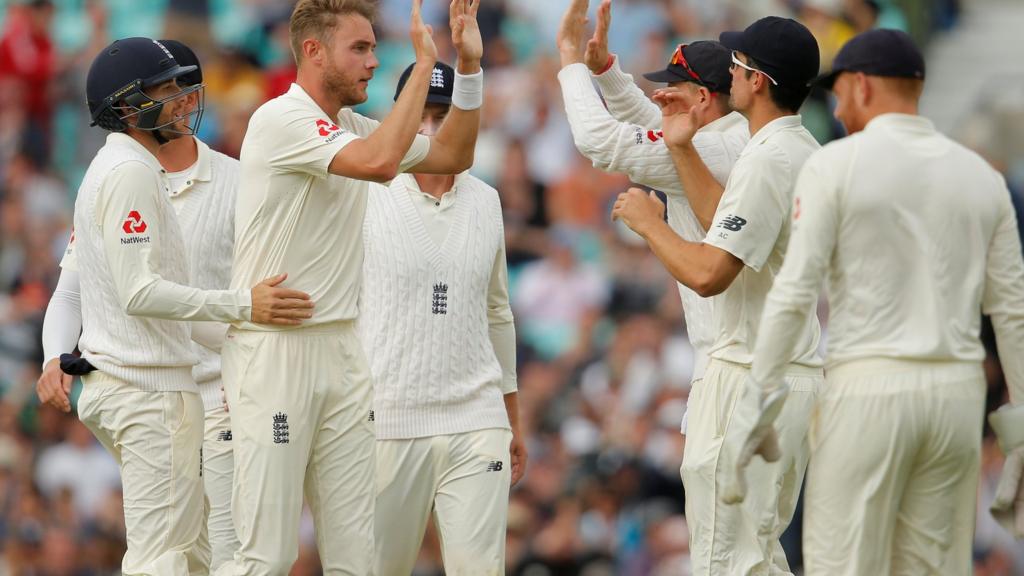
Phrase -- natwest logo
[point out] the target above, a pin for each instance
(326, 127)
(134, 224)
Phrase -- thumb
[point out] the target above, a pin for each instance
(430, 29)
(275, 280)
(653, 196)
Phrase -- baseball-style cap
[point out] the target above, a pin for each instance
(442, 83)
(783, 48)
(879, 52)
(705, 63)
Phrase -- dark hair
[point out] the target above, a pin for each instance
(788, 97)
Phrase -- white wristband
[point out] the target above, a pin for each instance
(468, 91)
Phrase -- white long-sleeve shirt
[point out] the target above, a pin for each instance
(203, 197)
(917, 238)
(625, 138)
(133, 268)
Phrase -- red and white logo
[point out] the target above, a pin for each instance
(655, 135)
(326, 127)
(134, 224)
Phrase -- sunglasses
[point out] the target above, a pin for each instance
(679, 59)
(736, 62)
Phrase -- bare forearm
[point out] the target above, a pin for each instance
(702, 190)
(393, 137)
(685, 261)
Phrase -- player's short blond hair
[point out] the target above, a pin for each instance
(317, 18)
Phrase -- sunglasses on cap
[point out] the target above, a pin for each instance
(736, 62)
(679, 59)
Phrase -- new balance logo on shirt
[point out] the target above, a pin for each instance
(733, 223)
(224, 436)
(494, 466)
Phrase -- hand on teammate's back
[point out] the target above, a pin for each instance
(54, 386)
(281, 306)
(597, 55)
(466, 37)
(421, 36)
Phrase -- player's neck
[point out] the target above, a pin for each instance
(309, 79)
(146, 139)
(762, 112)
(178, 154)
(435, 184)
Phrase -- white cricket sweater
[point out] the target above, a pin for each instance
(424, 314)
(129, 250)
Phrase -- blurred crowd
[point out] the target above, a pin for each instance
(604, 363)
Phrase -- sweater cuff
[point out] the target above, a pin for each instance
(614, 81)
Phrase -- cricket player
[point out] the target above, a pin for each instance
(441, 346)
(202, 188)
(917, 237)
(772, 62)
(301, 398)
(139, 396)
(626, 137)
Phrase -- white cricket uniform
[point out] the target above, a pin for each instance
(437, 326)
(752, 223)
(301, 397)
(203, 197)
(917, 238)
(143, 403)
(625, 138)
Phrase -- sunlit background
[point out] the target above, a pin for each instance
(604, 363)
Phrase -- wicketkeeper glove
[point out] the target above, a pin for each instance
(752, 428)
(1008, 506)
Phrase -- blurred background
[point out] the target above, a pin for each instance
(604, 363)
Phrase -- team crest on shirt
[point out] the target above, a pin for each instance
(133, 227)
(439, 303)
(328, 130)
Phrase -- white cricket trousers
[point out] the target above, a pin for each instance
(218, 475)
(300, 404)
(892, 484)
(463, 481)
(156, 438)
(743, 539)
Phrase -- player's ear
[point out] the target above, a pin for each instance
(862, 89)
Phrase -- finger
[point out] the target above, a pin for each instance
(291, 313)
(453, 10)
(284, 293)
(604, 17)
(416, 16)
(474, 5)
(283, 322)
(291, 304)
(274, 280)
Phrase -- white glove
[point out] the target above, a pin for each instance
(751, 427)
(1008, 506)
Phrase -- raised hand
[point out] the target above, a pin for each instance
(466, 34)
(281, 306)
(421, 36)
(571, 32)
(596, 57)
(679, 122)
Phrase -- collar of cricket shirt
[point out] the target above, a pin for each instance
(779, 124)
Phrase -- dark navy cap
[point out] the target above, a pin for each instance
(442, 83)
(705, 63)
(879, 52)
(783, 48)
(185, 57)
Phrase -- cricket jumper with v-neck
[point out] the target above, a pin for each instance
(426, 307)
